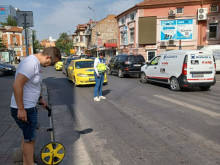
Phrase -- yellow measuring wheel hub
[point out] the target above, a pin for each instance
(53, 153)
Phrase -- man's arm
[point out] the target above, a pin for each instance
(18, 87)
(95, 67)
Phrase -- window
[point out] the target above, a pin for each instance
(132, 16)
(179, 10)
(213, 28)
(82, 38)
(155, 61)
(151, 55)
(124, 38)
(214, 8)
(132, 35)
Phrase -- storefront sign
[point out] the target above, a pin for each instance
(151, 47)
(177, 29)
(2, 11)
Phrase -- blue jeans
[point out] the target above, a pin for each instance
(98, 84)
(28, 128)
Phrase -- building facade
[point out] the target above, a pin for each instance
(14, 41)
(5, 11)
(151, 26)
(103, 37)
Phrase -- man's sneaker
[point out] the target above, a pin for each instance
(96, 99)
(102, 97)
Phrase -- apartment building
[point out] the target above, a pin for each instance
(153, 26)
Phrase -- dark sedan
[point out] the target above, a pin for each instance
(6, 69)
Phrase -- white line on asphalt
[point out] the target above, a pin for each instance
(190, 106)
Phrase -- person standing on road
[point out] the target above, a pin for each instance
(26, 94)
(100, 69)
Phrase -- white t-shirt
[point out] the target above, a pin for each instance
(31, 68)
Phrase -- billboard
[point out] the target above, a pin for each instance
(176, 29)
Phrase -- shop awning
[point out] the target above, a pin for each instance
(110, 45)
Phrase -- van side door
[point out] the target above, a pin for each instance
(153, 71)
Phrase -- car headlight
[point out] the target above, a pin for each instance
(7, 68)
(82, 75)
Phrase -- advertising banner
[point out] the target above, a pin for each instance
(176, 29)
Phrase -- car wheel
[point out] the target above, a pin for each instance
(120, 73)
(143, 77)
(109, 71)
(204, 88)
(174, 84)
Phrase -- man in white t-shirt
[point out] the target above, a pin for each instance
(26, 94)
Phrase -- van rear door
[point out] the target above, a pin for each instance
(200, 67)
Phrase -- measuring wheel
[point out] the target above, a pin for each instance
(53, 153)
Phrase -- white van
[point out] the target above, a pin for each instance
(181, 68)
(215, 49)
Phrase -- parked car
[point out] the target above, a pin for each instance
(59, 64)
(215, 49)
(81, 72)
(126, 65)
(181, 68)
(66, 64)
(6, 69)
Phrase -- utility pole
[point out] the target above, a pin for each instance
(97, 53)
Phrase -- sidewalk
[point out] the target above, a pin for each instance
(10, 134)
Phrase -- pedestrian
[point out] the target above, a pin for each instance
(100, 69)
(26, 94)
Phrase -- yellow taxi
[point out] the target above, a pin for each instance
(59, 64)
(81, 72)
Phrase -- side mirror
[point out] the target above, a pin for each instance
(147, 63)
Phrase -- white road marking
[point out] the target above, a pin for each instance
(190, 106)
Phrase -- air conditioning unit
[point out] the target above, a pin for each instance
(162, 43)
(171, 42)
(172, 13)
(202, 14)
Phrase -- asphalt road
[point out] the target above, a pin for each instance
(138, 124)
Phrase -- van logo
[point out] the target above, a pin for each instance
(192, 56)
(170, 56)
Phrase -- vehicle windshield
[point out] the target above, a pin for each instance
(136, 59)
(84, 64)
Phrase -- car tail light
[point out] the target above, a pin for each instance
(126, 68)
(127, 62)
(184, 71)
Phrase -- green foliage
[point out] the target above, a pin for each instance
(2, 46)
(36, 43)
(10, 21)
(64, 43)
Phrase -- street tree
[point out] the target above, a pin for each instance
(10, 21)
(36, 43)
(64, 43)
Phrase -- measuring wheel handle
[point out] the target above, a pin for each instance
(53, 153)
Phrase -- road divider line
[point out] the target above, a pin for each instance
(190, 106)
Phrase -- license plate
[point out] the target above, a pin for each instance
(91, 79)
(197, 75)
(137, 64)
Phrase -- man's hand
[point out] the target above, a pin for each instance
(43, 103)
(98, 75)
(22, 114)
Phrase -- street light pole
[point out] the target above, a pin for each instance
(97, 53)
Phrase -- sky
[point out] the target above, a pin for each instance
(52, 17)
